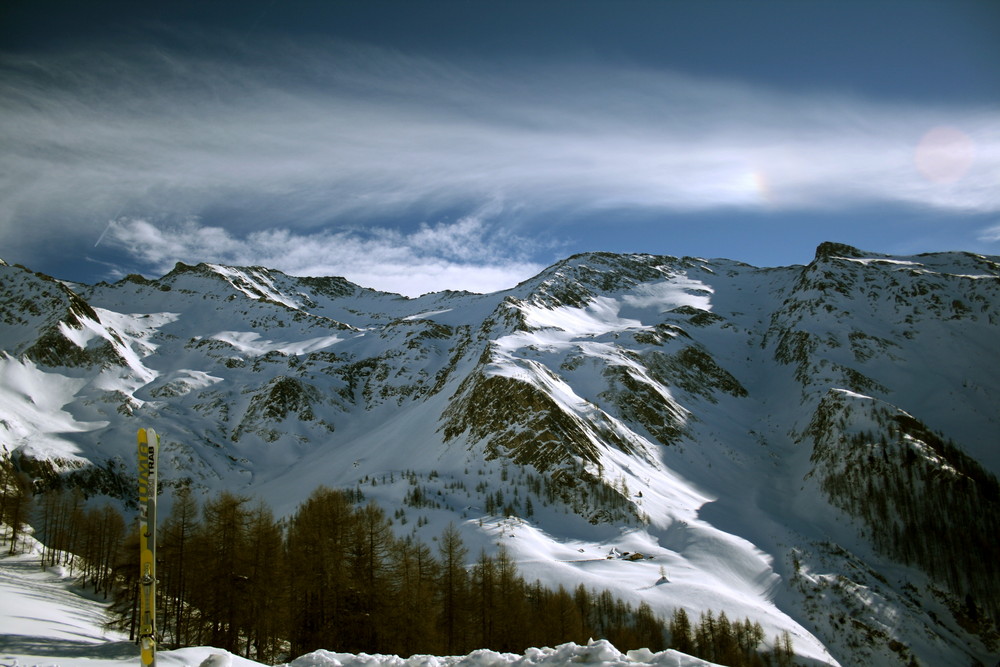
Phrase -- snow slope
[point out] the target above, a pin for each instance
(45, 620)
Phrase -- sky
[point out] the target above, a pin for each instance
(420, 146)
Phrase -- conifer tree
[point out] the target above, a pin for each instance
(510, 602)
(414, 575)
(582, 598)
(219, 582)
(367, 559)
(108, 531)
(563, 619)
(176, 535)
(648, 629)
(484, 600)
(124, 609)
(725, 641)
(453, 589)
(704, 636)
(316, 548)
(784, 654)
(265, 600)
(680, 632)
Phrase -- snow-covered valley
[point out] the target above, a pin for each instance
(771, 441)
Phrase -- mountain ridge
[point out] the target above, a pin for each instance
(702, 408)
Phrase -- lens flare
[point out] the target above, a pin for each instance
(944, 154)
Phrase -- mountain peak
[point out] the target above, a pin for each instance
(829, 249)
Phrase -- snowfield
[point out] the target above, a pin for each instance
(45, 621)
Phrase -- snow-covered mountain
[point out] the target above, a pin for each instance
(814, 447)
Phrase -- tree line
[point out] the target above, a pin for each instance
(735, 643)
(334, 575)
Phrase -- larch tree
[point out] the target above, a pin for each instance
(175, 545)
(453, 589)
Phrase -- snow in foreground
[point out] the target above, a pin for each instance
(597, 653)
(45, 621)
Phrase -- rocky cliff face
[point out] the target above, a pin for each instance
(812, 444)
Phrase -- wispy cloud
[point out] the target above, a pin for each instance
(990, 234)
(304, 137)
(468, 252)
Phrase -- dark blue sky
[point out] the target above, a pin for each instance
(912, 49)
(480, 141)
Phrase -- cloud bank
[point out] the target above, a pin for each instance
(468, 252)
(332, 135)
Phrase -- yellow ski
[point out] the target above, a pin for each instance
(149, 446)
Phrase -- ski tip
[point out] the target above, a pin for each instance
(147, 435)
